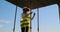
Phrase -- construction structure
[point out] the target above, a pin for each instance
(33, 4)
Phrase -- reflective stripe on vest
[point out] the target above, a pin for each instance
(25, 22)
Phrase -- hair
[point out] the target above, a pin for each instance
(25, 10)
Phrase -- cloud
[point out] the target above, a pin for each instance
(34, 30)
(50, 30)
(5, 21)
(1, 26)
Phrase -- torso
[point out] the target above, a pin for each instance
(26, 20)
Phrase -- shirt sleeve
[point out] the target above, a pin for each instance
(21, 16)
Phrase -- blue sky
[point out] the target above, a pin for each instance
(48, 17)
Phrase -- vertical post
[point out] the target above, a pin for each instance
(30, 19)
(38, 19)
(59, 10)
(15, 19)
(59, 14)
(30, 23)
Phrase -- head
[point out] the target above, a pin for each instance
(26, 11)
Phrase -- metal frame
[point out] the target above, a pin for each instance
(15, 19)
(38, 19)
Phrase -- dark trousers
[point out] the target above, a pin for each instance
(24, 29)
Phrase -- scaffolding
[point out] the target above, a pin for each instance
(33, 4)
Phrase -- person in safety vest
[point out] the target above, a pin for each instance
(26, 17)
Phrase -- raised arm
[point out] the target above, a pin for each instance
(33, 16)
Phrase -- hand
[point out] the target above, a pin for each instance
(34, 14)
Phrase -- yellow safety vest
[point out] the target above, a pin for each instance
(25, 22)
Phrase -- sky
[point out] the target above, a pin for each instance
(48, 18)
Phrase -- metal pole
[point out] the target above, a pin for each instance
(15, 19)
(38, 18)
(30, 19)
(59, 14)
(30, 23)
